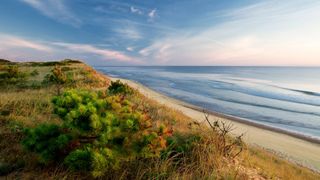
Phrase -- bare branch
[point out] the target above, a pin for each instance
(228, 147)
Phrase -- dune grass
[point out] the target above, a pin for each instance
(28, 104)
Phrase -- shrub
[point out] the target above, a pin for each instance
(51, 63)
(117, 87)
(4, 61)
(13, 71)
(5, 169)
(12, 75)
(35, 85)
(71, 61)
(97, 132)
(34, 73)
(180, 144)
(57, 77)
(48, 140)
(79, 160)
(66, 68)
(55, 63)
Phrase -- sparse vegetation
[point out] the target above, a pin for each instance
(12, 75)
(116, 133)
(34, 73)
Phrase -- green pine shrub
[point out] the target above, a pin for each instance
(117, 87)
(48, 140)
(98, 132)
(79, 159)
(56, 77)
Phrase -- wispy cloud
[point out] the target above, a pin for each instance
(105, 53)
(161, 51)
(152, 14)
(8, 41)
(268, 33)
(268, 9)
(55, 9)
(17, 48)
(136, 10)
(130, 49)
(129, 32)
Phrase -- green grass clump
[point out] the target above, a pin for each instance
(180, 145)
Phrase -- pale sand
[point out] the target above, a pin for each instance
(295, 149)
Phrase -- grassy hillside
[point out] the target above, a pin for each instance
(189, 150)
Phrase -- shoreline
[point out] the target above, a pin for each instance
(296, 148)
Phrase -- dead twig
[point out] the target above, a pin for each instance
(228, 147)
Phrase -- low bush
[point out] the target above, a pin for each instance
(55, 63)
(66, 68)
(97, 133)
(6, 62)
(56, 77)
(6, 168)
(48, 140)
(180, 145)
(34, 73)
(12, 75)
(117, 87)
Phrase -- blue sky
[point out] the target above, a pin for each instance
(163, 32)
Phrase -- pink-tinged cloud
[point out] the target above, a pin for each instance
(105, 53)
(8, 42)
(21, 49)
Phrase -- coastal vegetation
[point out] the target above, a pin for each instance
(64, 120)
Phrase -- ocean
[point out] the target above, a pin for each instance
(287, 98)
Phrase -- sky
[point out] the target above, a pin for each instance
(162, 32)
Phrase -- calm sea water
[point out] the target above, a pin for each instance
(282, 97)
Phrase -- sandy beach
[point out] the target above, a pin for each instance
(299, 149)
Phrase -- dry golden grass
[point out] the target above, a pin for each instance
(270, 166)
(29, 107)
(21, 107)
